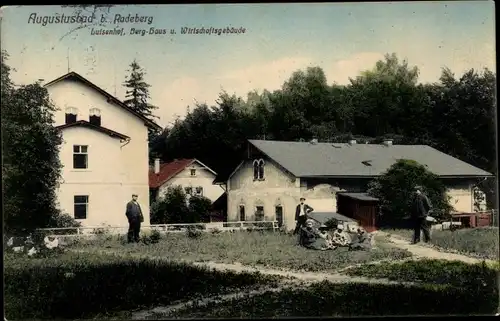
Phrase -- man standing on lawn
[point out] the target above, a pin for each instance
(301, 212)
(420, 209)
(135, 218)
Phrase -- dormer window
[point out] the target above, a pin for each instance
(95, 116)
(193, 171)
(71, 115)
(258, 170)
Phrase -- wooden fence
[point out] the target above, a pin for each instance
(164, 228)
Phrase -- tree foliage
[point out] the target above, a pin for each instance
(455, 115)
(395, 190)
(174, 207)
(137, 96)
(31, 166)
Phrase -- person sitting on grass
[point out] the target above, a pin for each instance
(340, 236)
(362, 242)
(311, 238)
(323, 233)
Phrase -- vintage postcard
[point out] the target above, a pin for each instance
(249, 160)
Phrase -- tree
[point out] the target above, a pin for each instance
(199, 209)
(395, 190)
(175, 207)
(137, 96)
(31, 166)
(172, 208)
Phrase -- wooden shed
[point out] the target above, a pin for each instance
(360, 207)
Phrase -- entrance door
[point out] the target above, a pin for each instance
(279, 215)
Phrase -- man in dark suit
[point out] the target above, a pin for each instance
(135, 218)
(301, 212)
(420, 209)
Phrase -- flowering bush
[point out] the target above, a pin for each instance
(35, 245)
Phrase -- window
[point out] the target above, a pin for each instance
(193, 172)
(279, 215)
(258, 170)
(199, 191)
(95, 116)
(259, 213)
(81, 206)
(261, 169)
(188, 190)
(71, 115)
(80, 156)
(242, 213)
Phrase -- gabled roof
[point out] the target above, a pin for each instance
(170, 170)
(304, 159)
(110, 98)
(86, 124)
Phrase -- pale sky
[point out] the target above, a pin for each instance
(342, 38)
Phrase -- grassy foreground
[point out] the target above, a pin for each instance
(75, 285)
(333, 300)
(275, 250)
(482, 242)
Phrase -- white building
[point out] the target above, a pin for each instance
(192, 175)
(104, 152)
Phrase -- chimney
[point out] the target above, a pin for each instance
(157, 165)
(352, 142)
(387, 142)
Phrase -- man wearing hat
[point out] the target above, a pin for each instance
(420, 209)
(301, 212)
(135, 218)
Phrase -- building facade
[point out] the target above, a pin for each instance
(268, 184)
(104, 152)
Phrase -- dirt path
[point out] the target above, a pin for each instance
(163, 312)
(423, 251)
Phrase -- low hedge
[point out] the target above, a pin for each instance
(454, 273)
(332, 300)
(83, 285)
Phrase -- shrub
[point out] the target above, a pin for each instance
(395, 190)
(151, 238)
(61, 220)
(77, 286)
(477, 277)
(198, 209)
(193, 232)
(172, 208)
(101, 230)
(155, 236)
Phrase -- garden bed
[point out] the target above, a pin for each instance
(267, 249)
(74, 285)
(479, 242)
(347, 300)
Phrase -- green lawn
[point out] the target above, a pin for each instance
(482, 242)
(271, 249)
(346, 300)
(76, 286)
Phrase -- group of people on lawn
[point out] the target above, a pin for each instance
(320, 238)
(310, 236)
